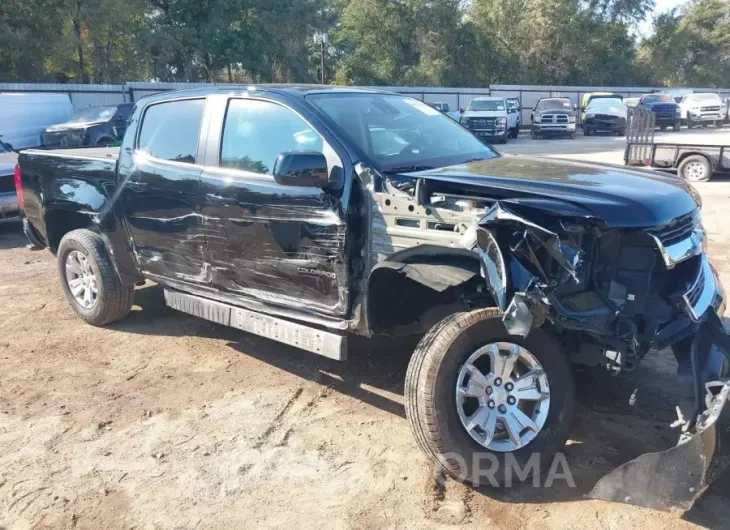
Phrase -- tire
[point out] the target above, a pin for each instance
(113, 300)
(586, 131)
(719, 124)
(690, 123)
(621, 132)
(534, 134)
(430, 393)
(676, 126)
(571, 136)
(663, 127)
(689, 170)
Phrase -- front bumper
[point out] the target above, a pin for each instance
(9, 208)
(604, 125)
(675, 478)
(557, 128)
(705, 117)
(491, 134)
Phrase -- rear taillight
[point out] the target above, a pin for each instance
(18, 185)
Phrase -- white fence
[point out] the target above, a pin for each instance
(93, 95)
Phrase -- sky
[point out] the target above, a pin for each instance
(662, 6)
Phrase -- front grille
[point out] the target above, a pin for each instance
(710, 109)
(554, 118)
(677, 230)
(7, 184)
(481, 122)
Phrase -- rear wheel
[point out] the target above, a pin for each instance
(475, 392)
(89, 280)
(695, 168)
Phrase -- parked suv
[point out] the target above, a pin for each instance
(605, 115)
(92, 126)
(702, 109)
(666, 110)
(552, 116)
(487, 117)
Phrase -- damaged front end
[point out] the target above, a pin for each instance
(611, 295)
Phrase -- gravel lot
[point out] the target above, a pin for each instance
(166, 421)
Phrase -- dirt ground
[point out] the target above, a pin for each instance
(166, 421)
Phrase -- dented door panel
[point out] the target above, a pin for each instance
(279, 244)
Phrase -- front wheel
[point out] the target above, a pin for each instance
(719, 123)
(677, 126)
(690, 123)
(89, 280)
(474, 392)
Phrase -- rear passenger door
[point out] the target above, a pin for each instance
(280, 245)
(160, 191)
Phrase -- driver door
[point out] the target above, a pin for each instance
(281, 245)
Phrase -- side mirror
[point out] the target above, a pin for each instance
(462, 109)
(575, 107)
(307, 169)
(582, 109)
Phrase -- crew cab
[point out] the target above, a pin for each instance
(488, 117)
(552, 116)
(92, 126)
(308, 214)
(702, 109)
(666, 110)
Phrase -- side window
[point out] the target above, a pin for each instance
(255, 132)
(170, 130)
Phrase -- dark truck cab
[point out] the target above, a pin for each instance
(305, 214)
(89, 127)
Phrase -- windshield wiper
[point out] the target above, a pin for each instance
(407, 169)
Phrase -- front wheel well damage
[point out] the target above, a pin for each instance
(409, 297)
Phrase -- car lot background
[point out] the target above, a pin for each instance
(167, 421)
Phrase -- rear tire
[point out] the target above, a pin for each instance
(695, 168)
(431, 404)
(112, 300)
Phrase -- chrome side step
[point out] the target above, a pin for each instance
(298, 335)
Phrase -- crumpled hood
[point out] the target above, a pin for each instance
(620, 196)
(7, 163)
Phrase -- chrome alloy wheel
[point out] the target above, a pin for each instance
(81, 279)
(695, 171)
(502, 396)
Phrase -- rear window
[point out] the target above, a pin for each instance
(170, 130)
(659, 98)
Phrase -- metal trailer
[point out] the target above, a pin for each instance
(694, 162)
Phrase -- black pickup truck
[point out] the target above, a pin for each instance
(305, 214)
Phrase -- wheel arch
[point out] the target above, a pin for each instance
(413, 289)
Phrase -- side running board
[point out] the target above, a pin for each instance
(298, 335)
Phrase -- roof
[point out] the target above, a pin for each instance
(290, 89)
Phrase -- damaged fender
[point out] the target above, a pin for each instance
(529, 304)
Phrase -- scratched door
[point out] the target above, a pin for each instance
(281, 245)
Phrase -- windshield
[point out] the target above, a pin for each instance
(607, 105)
(93, 114)
(659, 98)
(486, 105)
(398, 131)
(704, 98)
(554, 104)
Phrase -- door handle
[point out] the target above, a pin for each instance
(221, 201)
(136, 185)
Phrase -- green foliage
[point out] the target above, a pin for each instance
(371, 42)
